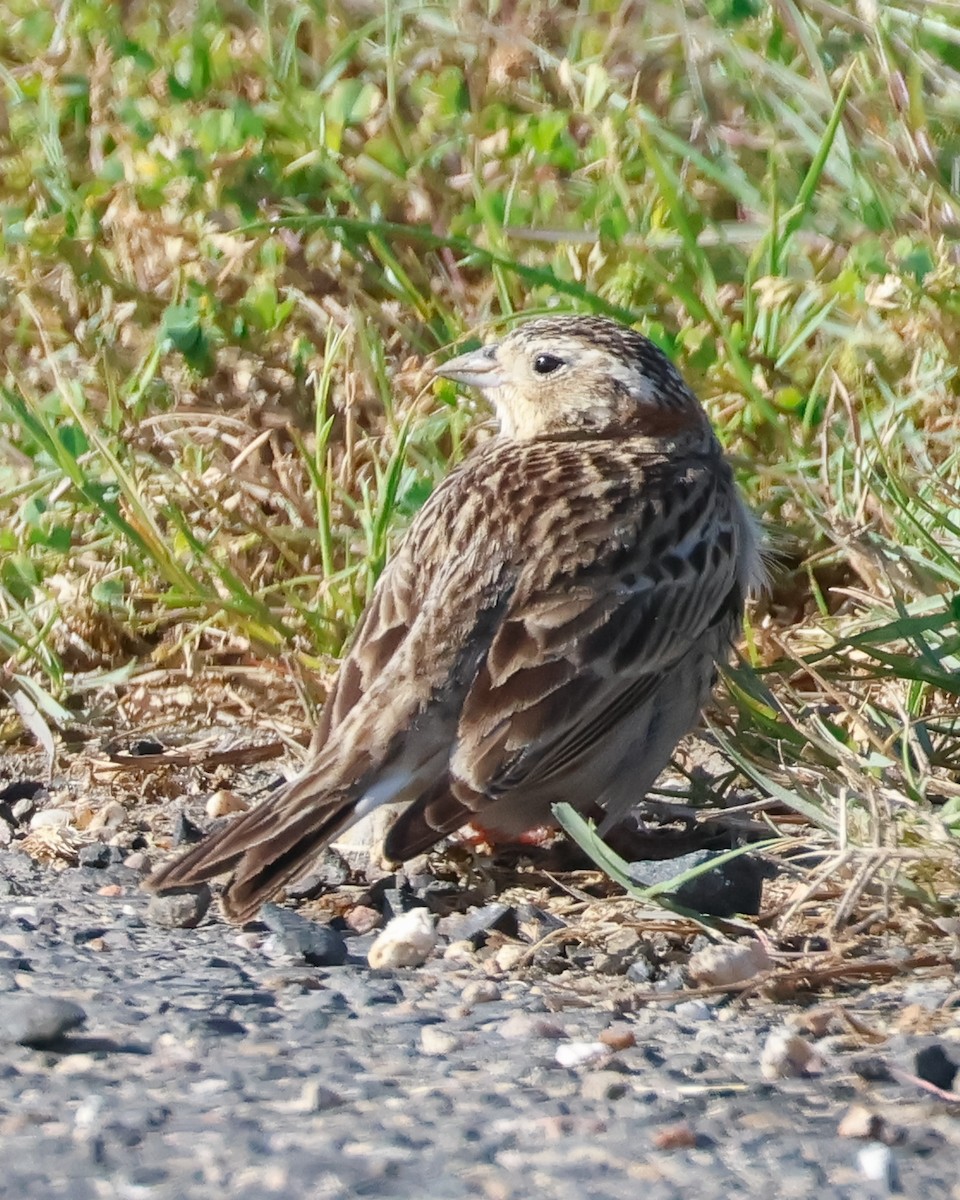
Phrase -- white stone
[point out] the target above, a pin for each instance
(877, 1164)
(580, 1054)
(111, 816)
(729, 962)
(406, 941)
(437, 1042)
(223, 803)
(51, 818)
(480, 991)
(787, 1056)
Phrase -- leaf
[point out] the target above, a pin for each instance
(585, 834)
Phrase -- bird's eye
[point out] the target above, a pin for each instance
(546, 364)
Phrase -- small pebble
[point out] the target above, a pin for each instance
(97, 856)
(480, 991)
(528, 1025)
(296, 937)
(603, 1085)
(183, 831)
(37, 1021)
(580, 1054)
(695, 1010)
(137, 861)
(876, 1163)
(787, 1056)
(460, 952)
(438, 1042)
(933, 1064)
(363, 919)
(331, 870)
(407, 941)
(23, 808)
(111, 816)
(316, 1098)
(477, 924)
(223, 803)
(675, 1137)
(87, 1117)
(51, 818)
(641, 970)
(859, 1122)
(179, 910)
(729, 963)
(508, 956)
(618, 1036)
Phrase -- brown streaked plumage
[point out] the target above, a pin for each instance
(547, 630)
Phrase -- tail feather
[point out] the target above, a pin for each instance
(264, 849)
(267, 867)
(424, 822)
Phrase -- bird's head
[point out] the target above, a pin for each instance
(572, 376)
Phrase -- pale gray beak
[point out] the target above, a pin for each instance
(476, 368)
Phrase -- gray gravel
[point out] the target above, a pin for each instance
(207, 1067)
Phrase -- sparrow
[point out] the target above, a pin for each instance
(548, 629)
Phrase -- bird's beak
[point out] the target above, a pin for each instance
(476, 368)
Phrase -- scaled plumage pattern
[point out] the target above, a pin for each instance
(548, 629)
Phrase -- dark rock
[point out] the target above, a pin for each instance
(98, 856)
(37, 1021)
(735, 886)
(871, 1067)
(183, 909)
(393, 896)
(183, 831)
(641, 970)
(317, 944)
(21, 789)
(477, 924)
(11, 962)
(321, 1016)
(330, 871)
(19, 800)
(933, 1064)
(146, 746)
(441, 896)
(82, 936)
(536, 922)
(391, 994)
(18, 874)
(217, 1026)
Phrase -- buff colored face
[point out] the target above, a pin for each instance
(554, 376)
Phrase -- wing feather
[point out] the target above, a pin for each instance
(575, 658)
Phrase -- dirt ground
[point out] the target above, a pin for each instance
(553, 1043)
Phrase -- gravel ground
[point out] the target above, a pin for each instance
(214, 1063)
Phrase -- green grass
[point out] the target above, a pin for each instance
(232, 235)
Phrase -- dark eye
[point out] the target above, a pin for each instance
(545, 364)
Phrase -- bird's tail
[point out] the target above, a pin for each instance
(264, 849)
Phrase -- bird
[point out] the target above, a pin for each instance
(548, 629)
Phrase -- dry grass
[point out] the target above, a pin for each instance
(232, 235)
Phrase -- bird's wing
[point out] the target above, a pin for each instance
(588, 638)
(392, 714)
(540, 589)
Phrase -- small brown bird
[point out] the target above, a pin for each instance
(548, 629)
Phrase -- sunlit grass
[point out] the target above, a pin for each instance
(230, 244)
